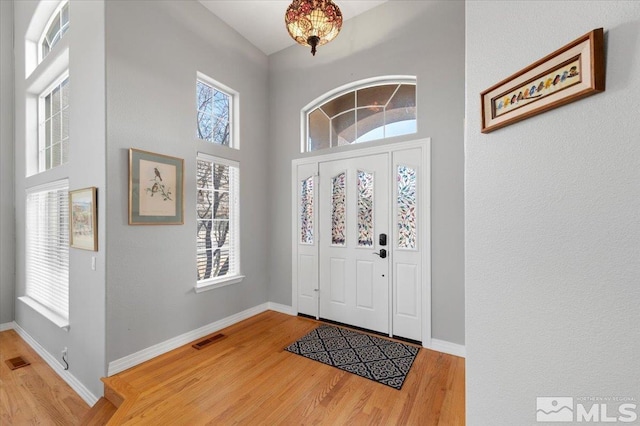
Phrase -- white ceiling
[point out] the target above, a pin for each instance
(262, 21)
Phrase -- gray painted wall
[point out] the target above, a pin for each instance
(7, 234)
(425, 39)
(154, 50)
(552, 226)
(147, 54)
(86, 167)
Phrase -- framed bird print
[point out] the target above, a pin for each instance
(156, 188)
(570, 73)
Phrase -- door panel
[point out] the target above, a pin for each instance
(337, 283)
(364, 287)
(306, 238)
(354, 210)
(407, 290)
(408, 243)
(307, 268)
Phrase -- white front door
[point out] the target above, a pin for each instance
(354, 208)
(342, 204)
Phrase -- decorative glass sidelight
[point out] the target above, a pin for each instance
(406, 179)
(338, 209)
(306, 211)
(365, 209)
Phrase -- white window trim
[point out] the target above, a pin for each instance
(218, 282)
(40, 20)
(55, 14)
(41, 120)
(339, 91)
(42, 76)
(234, 109)
(51, 315)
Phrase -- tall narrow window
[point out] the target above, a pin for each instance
(306, 210)
(217, 208)
(47, 249)
(56, 29)
(338, 209)
(215, 106)
(365, 209)
(54, 126)
(406, 204)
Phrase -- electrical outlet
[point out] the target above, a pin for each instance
(64, 351)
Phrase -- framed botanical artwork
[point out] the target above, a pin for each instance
(156, 187)
(570, 73)
(83, 230)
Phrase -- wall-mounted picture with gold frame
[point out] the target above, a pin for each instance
(83, 230)
(155, 189)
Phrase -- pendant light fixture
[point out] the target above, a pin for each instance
(313, 22)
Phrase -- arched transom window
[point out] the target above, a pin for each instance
(55, 30)
(362, 112)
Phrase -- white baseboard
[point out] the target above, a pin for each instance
(168, 345)
(283, 309)
(7, 326)
(71, 380)
(447, 347)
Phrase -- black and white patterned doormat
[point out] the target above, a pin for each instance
(377, 359)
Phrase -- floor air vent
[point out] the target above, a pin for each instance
(209, 340)
(17, 362)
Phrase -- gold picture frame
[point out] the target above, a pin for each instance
(83, 220)
(570, 73)
(156, 188)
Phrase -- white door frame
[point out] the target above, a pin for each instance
(424, 217)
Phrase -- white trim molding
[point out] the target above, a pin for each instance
(283, 309)
(217, 283)
(7, 326)
(342, 90)
(47, 313)
(447, 348)
(71, 380)
(143, 355)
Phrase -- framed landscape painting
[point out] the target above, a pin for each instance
(83, 231)
(155, 189)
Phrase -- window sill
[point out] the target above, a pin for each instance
(53, 65)
(217, 283)
(55, 318)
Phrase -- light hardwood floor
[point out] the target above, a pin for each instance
(247, 378)
(35, 394)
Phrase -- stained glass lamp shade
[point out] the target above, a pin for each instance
(313, 22)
